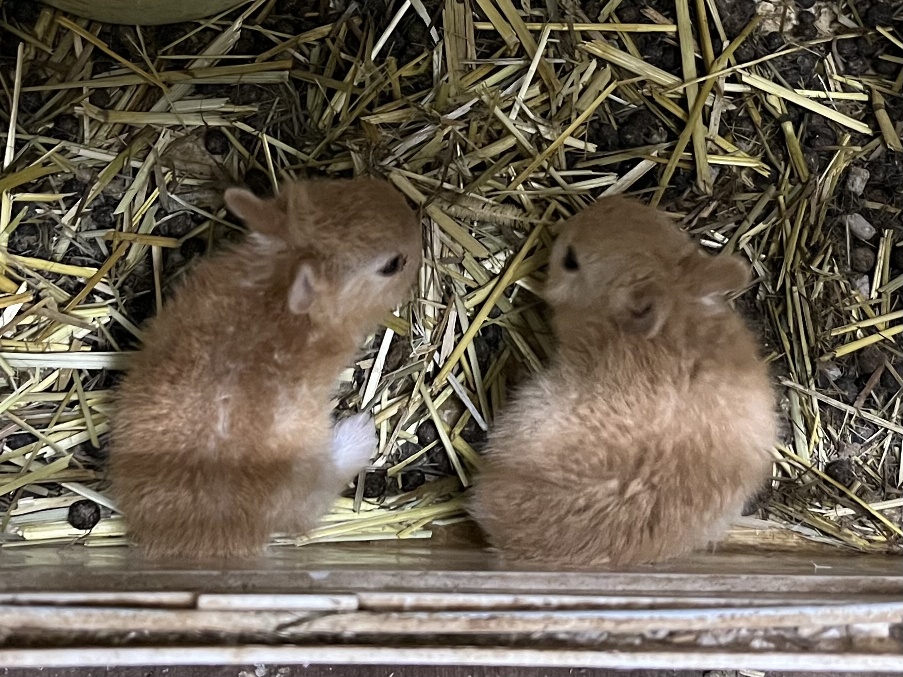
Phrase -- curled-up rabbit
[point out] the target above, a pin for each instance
(655, 419)
(222, 428)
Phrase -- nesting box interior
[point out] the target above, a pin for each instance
(770, 131)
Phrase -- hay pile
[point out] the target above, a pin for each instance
(496, 118)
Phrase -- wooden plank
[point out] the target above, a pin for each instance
(540, 623)
(85, 621)
(357, 670)
(301, 622)
(379, 567)
(271, 602)
(109, 599)
(389, 655)
(437, 601)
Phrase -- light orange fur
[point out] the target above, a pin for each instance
(222, 430)
(654, 421)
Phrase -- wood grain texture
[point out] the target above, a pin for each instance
(380, 567)
(388, 671)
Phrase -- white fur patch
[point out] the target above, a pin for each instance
(715, 303)
(267, 244)
(354, 441)
(267, 247)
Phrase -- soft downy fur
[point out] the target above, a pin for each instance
(653, 423)
(222, 430)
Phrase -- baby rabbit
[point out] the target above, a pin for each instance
(222, 431)
(655, 419)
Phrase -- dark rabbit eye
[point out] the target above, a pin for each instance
(570, 260)
(643, 311)
(393, 266)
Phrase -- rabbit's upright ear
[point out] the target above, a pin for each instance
(642, 307)
(266, 216)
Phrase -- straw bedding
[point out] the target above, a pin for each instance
(773, 134)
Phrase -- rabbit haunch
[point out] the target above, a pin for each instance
(654, 421)
(222, 429)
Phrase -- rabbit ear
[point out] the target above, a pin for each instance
(302, 293)
(720, 274)
(265, 216)
(642, 308)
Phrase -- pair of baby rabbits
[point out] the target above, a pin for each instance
(639, 442)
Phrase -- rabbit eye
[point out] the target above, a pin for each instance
(570, 260)
(643, 311)
(394, 265)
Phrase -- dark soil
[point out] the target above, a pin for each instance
(841, 471)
